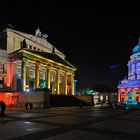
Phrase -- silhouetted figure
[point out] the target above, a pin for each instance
(3, 107)
(53, 51)
(24, 44)
(26, 105)
(31, 106)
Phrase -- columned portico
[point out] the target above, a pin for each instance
(59, 77)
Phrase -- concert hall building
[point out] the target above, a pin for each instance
(26, 59)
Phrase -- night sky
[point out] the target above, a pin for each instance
(96, 38)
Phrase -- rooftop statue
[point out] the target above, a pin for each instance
(39, 33)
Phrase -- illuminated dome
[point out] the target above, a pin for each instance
(133, 80)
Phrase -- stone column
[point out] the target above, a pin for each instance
(37, 74)
(135, 70)
(57, 81)
(129, 70)
(65, 83)
(119, 95)
(72, 83)
(75, 81)
(23, 73)
(48, 77)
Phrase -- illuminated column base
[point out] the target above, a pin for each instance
(37, 76)
(57, 81)
(65, 83)
(23, 74)
(72, 84)
(119, 95)
(48, 77)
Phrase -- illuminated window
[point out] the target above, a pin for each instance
(101, 98)
(1, 68)
(1, 82)
(106, 97)
(52, 78)
(61, 79)
(42, 75)
(19, 71)
(31, 74)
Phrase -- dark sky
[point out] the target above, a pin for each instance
(93, 36)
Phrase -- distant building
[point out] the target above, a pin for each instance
(104, 94)
(133, 80)
(25, 59)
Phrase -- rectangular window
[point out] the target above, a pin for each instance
(31, 74)
(1, 82)
(1, 68)
(42, 75)
(61, 79)
(19, 71)
(52, 78)
(30, 47)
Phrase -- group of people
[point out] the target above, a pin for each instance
(28, 104)
(2, 108)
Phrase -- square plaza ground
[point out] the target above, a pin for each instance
(70, 123)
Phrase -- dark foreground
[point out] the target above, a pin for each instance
(71, 123)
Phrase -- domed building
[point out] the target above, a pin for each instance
(133, 80)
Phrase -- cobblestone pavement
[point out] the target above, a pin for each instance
(70, 123)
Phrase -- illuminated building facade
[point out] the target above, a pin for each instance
(133, 80)
(26, 59)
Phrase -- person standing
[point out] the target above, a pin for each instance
(3, 108)
(26, 105)
(31, 106)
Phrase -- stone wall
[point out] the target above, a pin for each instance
(39, 99)
(86, 98)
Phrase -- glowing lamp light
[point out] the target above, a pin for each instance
(27, 90)
(101, 97)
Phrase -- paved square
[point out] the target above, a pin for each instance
(71, 124)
